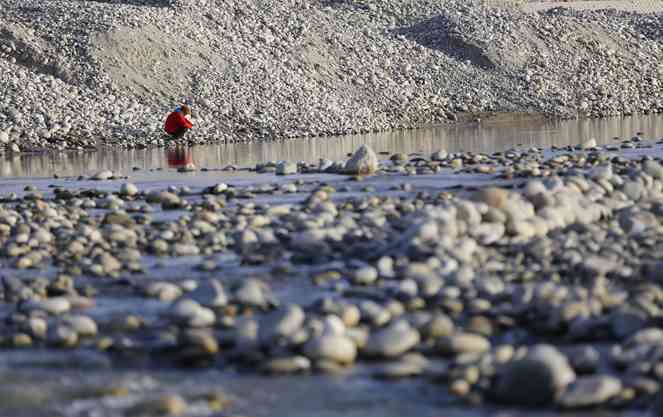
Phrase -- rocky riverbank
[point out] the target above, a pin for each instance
(545, 273)
(75, 75)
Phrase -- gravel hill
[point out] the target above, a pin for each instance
(76, 73)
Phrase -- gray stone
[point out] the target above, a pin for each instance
(463, 343)
(363, 162)
(287, 365)
(164, 291)
(440, 325)
(365, 276)
(440, 155)
(84, 326)
(102, 175)
(253, 293)
(330, 347)
(282, 323)
(653, 168)
(492, 196)
(189, 313)
(392, 341)
(54, 306)
(128, 189)
(286, 168)
(544, 371)
(590, 391)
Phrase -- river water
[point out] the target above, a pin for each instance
(48, 383)
(486, 137)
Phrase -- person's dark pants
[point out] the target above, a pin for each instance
(179, 134)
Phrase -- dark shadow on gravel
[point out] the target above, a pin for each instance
(436, 33)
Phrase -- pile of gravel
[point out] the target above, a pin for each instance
(75, 74)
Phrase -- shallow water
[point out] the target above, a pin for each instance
(486, 137)
(49, 383)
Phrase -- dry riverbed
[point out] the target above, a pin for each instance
(420, 284)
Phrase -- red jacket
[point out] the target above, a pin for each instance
(175, 122)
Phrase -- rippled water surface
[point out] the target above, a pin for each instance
(486, 137)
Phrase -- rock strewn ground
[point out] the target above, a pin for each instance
(77, 73)
(552, 280)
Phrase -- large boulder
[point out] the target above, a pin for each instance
(363, 162)
(535, 380)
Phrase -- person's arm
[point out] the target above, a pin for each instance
(184, 122)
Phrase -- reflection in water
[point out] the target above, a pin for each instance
(180, 157)
(485, 139)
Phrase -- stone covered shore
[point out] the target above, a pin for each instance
(545, 272)
(75, 75)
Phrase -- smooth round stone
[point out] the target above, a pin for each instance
(62, 336)
(439, 155)
(493, 197)
(589, 144)
(200, 341)
(392, 341)
(164, 291)
(651, 335)
(83, 326)
(653, 168)
(102, 175)
(128, 189)
(36, 326)
(190, 313)
(590, 391)
(336, 348)
(251, 293)
(366, 275)
(184, 249)
(21, 340)
(440, 325)
(281, 323)
(544, 371)
(286, 168)
(359, 336)
(80, 302)
(459, 388)
(350, 315)
(289, 365)
(374, 313)
(54, 306)
(461, 343)
(400, 369)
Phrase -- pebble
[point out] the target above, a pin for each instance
(252, 293)
(590, 391)
(189, 313)
(461, 343)
(83, 326)
(128, 189)
(392, 341)
(54, 306)
(281, 323)
(363, 162)
(286, 168)
(544, 370)
(288, 365)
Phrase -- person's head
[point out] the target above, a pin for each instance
(186, 110)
